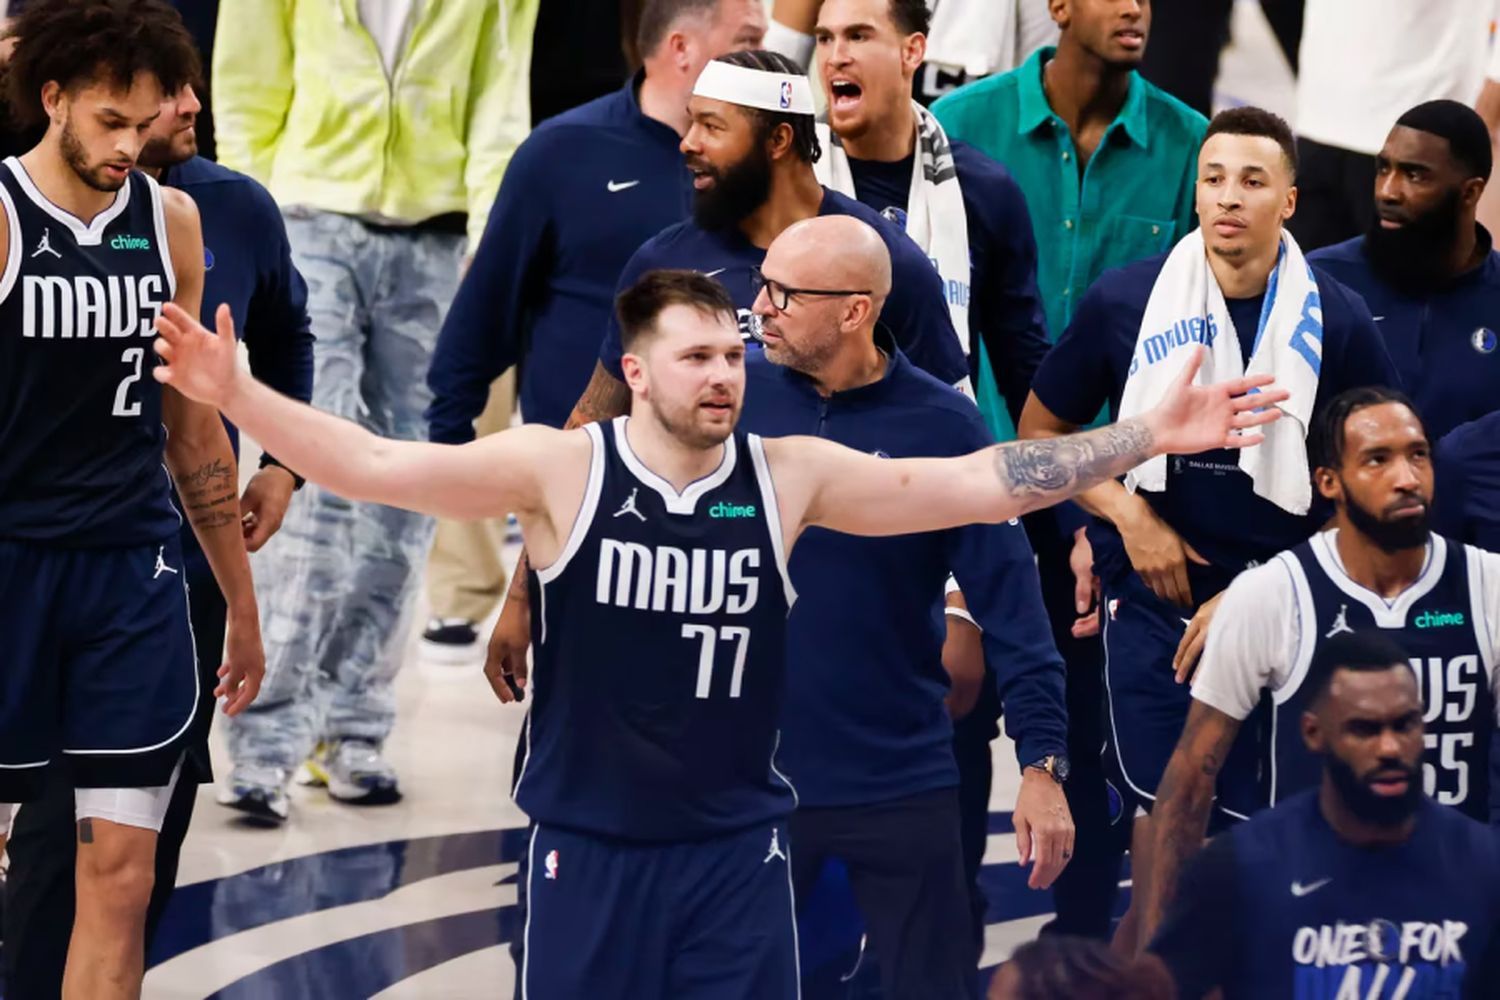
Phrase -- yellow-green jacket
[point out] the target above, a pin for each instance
(302, 103)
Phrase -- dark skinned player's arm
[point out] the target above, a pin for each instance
(1179, 821)
(603, 399)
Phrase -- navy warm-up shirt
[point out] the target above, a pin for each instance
(916, 310)
(863, 719)
(1208, 500)
(581, 194)
(247, 264)
(1466, 494)
(1444, 342)
(1005, 308)
(1281, 907)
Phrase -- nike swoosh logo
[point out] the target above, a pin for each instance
(1377, 318)
(1299, 890)
(614, 187)
(711, 274)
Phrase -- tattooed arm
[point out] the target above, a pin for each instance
(820, 483)
(203, 467)
(1184, 799)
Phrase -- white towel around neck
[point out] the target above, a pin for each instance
(1187, 308)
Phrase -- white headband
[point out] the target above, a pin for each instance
(755, 88)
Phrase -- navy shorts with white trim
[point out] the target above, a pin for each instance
(702, 920)
(97, 664)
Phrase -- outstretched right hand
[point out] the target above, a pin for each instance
(199, 363)
(505, 658)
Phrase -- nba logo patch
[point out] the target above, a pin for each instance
(1483, 340)
(1113, 607)
(786, 93)
(551, 865)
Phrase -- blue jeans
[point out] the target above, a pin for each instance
(337, 584)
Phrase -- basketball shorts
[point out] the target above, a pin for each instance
(704, 920)
(1147, 707)
(97, 665)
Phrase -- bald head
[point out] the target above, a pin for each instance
(833, 251)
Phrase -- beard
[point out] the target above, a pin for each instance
(808, 357)
(168, 151)
(737, 191)
(1415, 257)
(1365, 804)
(683, 425)
(1398, 535)
(77, 158)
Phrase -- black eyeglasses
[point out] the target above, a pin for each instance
(780, 295)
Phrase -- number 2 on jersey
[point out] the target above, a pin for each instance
(710, 638)
(123, 407)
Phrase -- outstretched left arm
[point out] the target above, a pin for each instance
(203, 467)
(824, 484)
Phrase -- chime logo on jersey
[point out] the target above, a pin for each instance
(1438, 619)
(666, 578)
(130, 243)
(1381, 959)
(85, 307)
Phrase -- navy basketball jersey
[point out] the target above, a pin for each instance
(81, 433)
(1440, 622)
(660, 640)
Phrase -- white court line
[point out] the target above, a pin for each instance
(1002, 939)
(211, 967)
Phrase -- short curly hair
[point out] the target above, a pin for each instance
(81, 42)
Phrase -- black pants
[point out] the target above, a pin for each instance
(1335, 195)
(972, 736)
(1182, 56)
(39, 890)
(906, 870)
(1085, 893)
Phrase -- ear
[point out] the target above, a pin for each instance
(857, 312)
(1061, 12)
(913, 53)
(1472, 191)
(1327, 481)
(1312, 733)
(633, 367)
(679, 48)
(1290, 208)
(779, 142)
(52, 99)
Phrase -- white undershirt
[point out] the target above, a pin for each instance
(1253, 639)
(389, 23)
(1366, 62)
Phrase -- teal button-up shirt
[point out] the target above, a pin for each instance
(1133, 199)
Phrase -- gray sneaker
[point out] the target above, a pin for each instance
(257, 791)
(353, 771)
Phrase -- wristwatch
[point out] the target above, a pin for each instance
(1055, 766)
(297, 481)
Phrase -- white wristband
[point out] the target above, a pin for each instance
(962, 613)
(790, 42)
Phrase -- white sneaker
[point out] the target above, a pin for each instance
(353, 771)
(258, 792)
